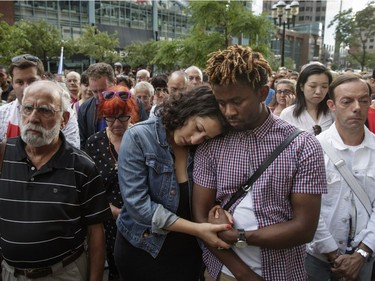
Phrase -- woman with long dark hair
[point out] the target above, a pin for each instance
(310, 108)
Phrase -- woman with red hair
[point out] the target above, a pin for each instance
(118, 108)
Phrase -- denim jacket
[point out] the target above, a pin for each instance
(148, 185)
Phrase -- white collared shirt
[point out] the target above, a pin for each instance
(333, 227)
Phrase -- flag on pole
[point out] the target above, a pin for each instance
(60, 70)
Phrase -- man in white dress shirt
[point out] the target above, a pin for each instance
(344, 242)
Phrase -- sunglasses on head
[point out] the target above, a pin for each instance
(107, 95)
(25, 57)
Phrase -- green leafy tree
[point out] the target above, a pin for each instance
(12, 41)
(228, 20)
(100, 46)
(354, 30)
(141, 54)
(41, 39)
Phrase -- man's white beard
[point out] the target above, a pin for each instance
(35, 140)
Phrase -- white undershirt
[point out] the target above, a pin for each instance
(244, 218)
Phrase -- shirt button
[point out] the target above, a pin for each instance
(341, 242)
(32, 168)
(32, 179)
(344, 220)
(173, 192)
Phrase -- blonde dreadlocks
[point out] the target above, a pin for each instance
(238, 63)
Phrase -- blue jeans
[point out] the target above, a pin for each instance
(318, 270)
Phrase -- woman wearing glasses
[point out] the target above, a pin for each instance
(156, 238)
(118, 108)
(310, 111)
(285, 95)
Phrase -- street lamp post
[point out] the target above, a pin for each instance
(286, 14)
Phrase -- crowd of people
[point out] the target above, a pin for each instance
(234, 172)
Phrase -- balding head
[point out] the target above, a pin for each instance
(195, 76)
(177, 82)
(44, 113)
(143, 75)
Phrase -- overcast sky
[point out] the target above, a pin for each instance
(333, 8)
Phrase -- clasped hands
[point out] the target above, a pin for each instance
(217, 215)
(346, 266)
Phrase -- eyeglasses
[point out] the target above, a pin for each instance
(285, 92)
(107, 95)
(25, 57)
(45, 111)
(161, 90)
(122, 118)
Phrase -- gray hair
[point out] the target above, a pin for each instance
(144, 86)
(193, 67)
(53, 87)
(76, 74)
(143, 71)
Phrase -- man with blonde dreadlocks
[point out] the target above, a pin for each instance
(279, 213)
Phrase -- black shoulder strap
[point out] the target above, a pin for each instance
(246, 187)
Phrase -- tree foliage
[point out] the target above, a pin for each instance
(141, 54)
(100, 46)
(215, 24)
(353, 30)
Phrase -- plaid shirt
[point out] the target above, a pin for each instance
(226, 163)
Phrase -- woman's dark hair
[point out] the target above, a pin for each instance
(177, 109)
(126, 79)
(300, 102)
(159, 81)
(84, 79)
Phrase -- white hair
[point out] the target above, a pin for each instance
(143, 71)
(187, 70)
(75, 74)
(144, 86)
(52, 87)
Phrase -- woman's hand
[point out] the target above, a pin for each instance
(208, 233)
(115, 211)
(290, 99)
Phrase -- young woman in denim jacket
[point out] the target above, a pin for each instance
(156, 237)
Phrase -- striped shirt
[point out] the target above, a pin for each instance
(44, 213)
(227, 162)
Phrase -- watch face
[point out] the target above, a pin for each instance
(240, 244)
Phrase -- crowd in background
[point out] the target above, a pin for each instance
(124, 118)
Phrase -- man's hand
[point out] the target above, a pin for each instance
(348, 266)
(332, 256)
(218, 215)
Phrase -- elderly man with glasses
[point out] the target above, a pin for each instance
(24, 70)
(52, 199)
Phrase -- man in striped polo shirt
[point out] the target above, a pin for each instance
(52, 201)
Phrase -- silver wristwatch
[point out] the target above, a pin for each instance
(241, 239)
(363, 253)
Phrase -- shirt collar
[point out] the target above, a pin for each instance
(340, 145)
(261, 131)
(56, 161)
